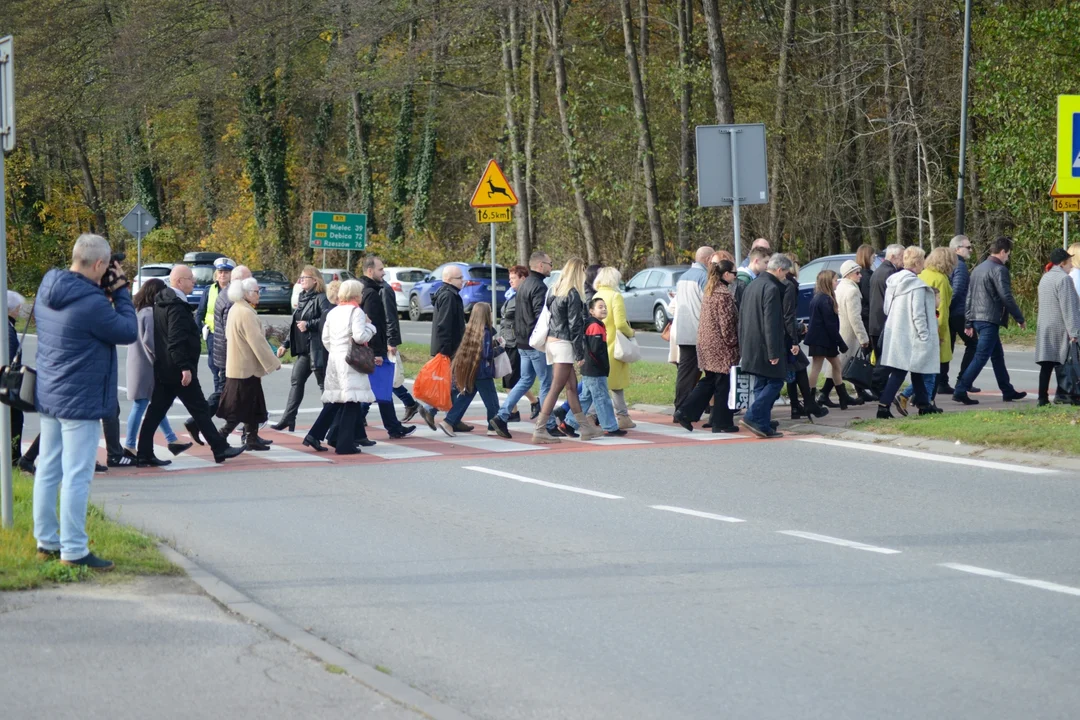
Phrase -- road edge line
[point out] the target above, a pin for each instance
(237, 602)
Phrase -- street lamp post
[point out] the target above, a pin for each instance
(963, 121)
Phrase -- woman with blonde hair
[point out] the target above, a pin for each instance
(305, 342)
(565, 346)
(910, 342)
(473, 370)
(936, 273)
(607, 288)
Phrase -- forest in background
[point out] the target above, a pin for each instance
(231, 120)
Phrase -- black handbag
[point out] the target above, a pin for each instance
(18, 382)
(360, 358)
(1070, 371)
(858, 371)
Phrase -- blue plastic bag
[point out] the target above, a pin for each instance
(382, 381)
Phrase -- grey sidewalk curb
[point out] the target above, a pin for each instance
(235, 601)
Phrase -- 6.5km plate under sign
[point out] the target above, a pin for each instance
(338, 231)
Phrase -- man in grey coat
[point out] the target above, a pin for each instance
(1058, 327)
(990, 303)
(763, 344)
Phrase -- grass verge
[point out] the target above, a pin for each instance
(20, 569)
(1050, 429)
(650, 382)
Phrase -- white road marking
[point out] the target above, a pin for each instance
(678, 432)
(179, 462)
(839, 541)
(476, 440)
(915, 454)
(1041, 584)
(697, 513)
(543, 483)
(280, 454)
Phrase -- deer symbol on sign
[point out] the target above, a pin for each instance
(494, 189)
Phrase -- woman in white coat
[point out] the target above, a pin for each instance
(910, 342)
(849, 308)
(344, 388)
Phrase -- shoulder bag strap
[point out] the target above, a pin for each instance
(17, 359)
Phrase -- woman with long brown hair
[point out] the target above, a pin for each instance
(824, 339)
(473, 371)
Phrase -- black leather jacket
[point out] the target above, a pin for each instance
(568, 321)
(530, 302)
(990, 298)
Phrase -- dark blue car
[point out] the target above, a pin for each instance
(476, 288)
(808, 276)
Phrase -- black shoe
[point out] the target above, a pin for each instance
(177, 448)
(193, 430)
(256, 441)
(973, 389)
(152, 462)
(566, 430)
(684, 421)
(534, 410)
(365, 443)
(256, 446)
(560, 413)
(99, 468)
(556, 432)
(26, 466)
(706, 425)
(1058, 400)
(314, 444)
(121, 461)
(427, 415)
(943, 388)
(404, 433)
(761, 433)
(227, 454)
(91, 561)
(884, 414)
(927, 410)
(462, 427)
(1045, 402)
(824, 401)
(964, 399)
(410, 412)
(130, 454)
(614, 433)
(728, 429)
(282, 425)
(773, 434)
(47, 555)
(514, 417)
(816, 411)
(868, 396)
(774, 424)
(1014, 395)
(499, 426)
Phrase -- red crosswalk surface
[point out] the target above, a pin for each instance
(426, 445)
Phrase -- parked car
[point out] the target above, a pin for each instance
(476, 288)
(329, 275)
(648, 295)
(402, 280)
(204, 278)
(152, 270)
(808, 276)
(274, 291)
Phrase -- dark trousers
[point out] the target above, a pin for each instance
(388, 414)
(956, 329)
(896, 379)
(217, 373)
(402, 394)
(714, 386)
(339, 424)
(688, 373)
(988, 347)
(110, 425)
(881, 373)
(160, 403)
(302, 370)
(1046, 369)
(16, 434)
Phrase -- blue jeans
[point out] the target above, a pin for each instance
(766, 393)
(66, 464)
(488, 393)
(533, 365)
(988, 348)
(593, 393)
(134, 421)
(929, 382)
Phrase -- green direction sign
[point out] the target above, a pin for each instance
(338, 231)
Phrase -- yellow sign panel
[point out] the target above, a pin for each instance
(1071, 204)
(1068, 145)
(493, 215)
(494, 190)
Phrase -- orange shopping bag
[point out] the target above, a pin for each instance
(432, 383)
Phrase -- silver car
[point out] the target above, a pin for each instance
(648, 295)
(402, 279)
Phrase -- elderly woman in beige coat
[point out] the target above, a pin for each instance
(247, 360)
(849, 308)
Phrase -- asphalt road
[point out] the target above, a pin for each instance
(815, 581)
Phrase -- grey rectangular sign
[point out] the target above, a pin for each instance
(714, 165)
(7, 95)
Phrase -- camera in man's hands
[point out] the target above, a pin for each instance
(110, 277)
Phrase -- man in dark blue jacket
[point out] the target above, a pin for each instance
(960, 280)
(79, 326)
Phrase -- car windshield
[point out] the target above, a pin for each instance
(410, 276)
(809, 272)
(269, 276)
(483, 272)
(204, 274)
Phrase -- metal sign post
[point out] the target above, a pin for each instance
(732, 171)
(7, 144)
(139, 222)
(494, 278)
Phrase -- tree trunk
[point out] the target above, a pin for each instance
(531, 120)
(521, 217)
(893, 141)
(361, 132)
(399, 170)
(90, 190)
(685, 11)
(553, 20)
(776, 205)
(721, 84)
(425, 164)
(652, 203)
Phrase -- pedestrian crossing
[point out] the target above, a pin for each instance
(425, 444)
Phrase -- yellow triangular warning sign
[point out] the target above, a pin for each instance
(494, 190)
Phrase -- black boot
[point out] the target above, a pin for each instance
(845, 398)
(798, 412)
(867, 395)
(823, 396)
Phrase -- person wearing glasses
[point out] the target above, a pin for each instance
(305, 341)
(960, 279)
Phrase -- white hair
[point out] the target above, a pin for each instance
(957, 241)
(239, 289)
(895, 251)
(90, 249)
(350, 290)
(779, 261)
(14, 300)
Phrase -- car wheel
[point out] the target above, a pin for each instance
(660, 319)
(414, 309)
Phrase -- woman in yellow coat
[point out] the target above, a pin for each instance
(938, 269)
(607, 287)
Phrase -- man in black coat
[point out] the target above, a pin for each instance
(528, 304)
(393, 341)
(176, 371)
(763, 343)
(447, 329)
(894, 260)
(371, 302)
